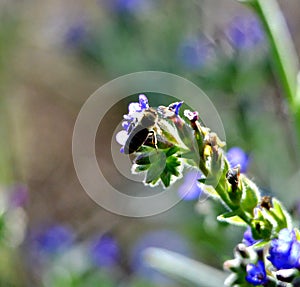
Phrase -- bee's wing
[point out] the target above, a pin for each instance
(135, 139)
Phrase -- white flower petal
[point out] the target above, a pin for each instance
(121, 137)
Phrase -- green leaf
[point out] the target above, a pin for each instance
(166, 178)
(189, 155)
(279, 214)
(250, 195)
(146, 149)
(171, 165)
(171, 169)
(231, 219)
(209, 189)
(143, 159)
(141, 168)
(172, 150)
(260, 244)
(158, 163)
(187, 136)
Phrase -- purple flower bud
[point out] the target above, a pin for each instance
(175, 107)
(236, 156)
(143, 101)
(285, 250)
(105, 251)
(248, 238)
(256, 274)
(192, 116)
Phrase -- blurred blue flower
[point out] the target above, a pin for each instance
(129, 6)
(52, 240)
(190, 188)
(256, 274)
(285, 250)
(104, 251)
(236, 156)
(76, 35)
(245, 32)
(18, 196)
(162, 239)
(194, 53)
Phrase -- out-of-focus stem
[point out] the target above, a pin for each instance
(6, 157)
(181, 267)
(285, 57)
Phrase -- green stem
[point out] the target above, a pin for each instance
(223, 194)
(180, 267)
(284, 55)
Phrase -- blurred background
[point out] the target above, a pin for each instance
(53, 56)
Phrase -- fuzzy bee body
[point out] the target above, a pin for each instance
(141, 132)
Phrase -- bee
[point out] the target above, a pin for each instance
(142, 132)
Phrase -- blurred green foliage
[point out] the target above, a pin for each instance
(107, 43)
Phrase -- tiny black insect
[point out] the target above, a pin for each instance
(232, 176)
(142, 132)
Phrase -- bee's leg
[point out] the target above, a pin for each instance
(152, 136)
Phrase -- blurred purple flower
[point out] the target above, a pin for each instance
(236, 156)
(162, 239)
(76, 35)
(256, 274)
(248, 238)
(190, 188)
(104, 251)
(285, 250)
(129, 6)
(194, 53)
(245, 32)
(54, 239)
(18, 196)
